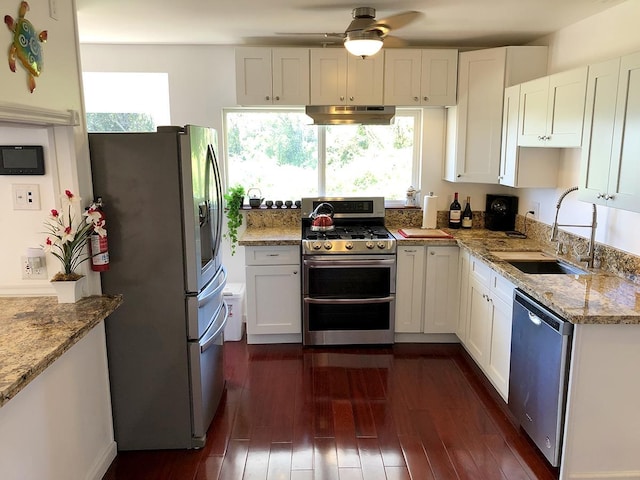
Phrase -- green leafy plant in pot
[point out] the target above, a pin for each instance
(234, 198)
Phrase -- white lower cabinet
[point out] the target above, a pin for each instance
(441, 290)
(273, 294)
(487, 336)
(426, 289)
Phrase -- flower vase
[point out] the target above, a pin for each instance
(69, 291)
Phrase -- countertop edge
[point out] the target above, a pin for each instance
(109, 304)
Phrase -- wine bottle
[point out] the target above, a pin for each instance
(455, 212)
(467, 215)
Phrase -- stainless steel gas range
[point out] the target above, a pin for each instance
(349, 272)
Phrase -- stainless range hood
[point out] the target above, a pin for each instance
(351, 114)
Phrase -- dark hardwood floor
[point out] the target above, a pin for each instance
(404, 412)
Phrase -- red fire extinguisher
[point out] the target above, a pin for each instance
(98, 246)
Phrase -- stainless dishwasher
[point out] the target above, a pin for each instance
(540, 354)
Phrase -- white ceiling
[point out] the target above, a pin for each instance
(456, 23)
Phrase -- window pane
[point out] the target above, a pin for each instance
(276, 152)
(370, 160)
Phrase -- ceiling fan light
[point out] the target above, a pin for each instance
(363, 44)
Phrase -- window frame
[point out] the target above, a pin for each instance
(416, 167)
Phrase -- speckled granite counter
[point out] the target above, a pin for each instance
(282, 235)
(597, 298)
(35, 331)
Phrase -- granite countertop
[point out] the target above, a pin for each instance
(35, 331)
(596, 298)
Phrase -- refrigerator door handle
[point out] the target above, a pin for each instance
(210, 338)
(206, 295)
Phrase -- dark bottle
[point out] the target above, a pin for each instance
(467, 215)
(455, 212)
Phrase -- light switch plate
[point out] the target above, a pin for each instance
(53, 9)
(26, 197)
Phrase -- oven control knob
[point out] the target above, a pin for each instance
(369, 245)
(381, 245)
(348, 245)
(316, 245)
(327, 245)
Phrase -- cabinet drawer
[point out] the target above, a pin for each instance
(480, 270)
(272, 255)
(502, 288)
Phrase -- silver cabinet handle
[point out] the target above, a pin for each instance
(267, 97)
(277, 97)
(342, 98)
(609, 197)
(295, 272)
(600, 195)
(432, 253)
(535, 319)
(416, 99)
(540, 137)
(426, 99)
(351, 99)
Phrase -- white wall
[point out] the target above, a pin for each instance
(609, 34)
(66, 154)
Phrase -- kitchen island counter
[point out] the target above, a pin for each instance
(36, 331)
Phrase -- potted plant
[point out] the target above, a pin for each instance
(234, 198)
(67, 243)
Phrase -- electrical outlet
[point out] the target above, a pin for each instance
(34, 268)
(53, 9)
(535, 208)
(26, 197)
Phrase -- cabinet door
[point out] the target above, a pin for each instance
(522, 166)
(402, 74)
(600, 114)
(623, 190)
(253, 76)
(509, 151)
(479, 327)
(409, 289)
(273, 299)
(364, 79)
(565, 109)
(499, 352)
(290, 67)
(441, 290)
(534, 97)
(476, 122)
(439, 77)
(328, 76)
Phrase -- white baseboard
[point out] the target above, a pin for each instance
(631, 475)
(103, 462)
(426, 338)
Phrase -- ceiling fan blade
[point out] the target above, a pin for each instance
(312, 34)
(395, 22)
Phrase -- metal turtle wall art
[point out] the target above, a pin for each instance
(26, 45)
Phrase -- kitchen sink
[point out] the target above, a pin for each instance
(538, 262)
(547, 267)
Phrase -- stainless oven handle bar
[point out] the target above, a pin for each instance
(337, 263)
(343, 301)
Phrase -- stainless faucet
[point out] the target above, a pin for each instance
(590, 256)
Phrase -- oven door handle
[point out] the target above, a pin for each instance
(336, 263)
(346, 301)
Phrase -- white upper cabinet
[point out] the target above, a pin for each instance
(552, 110)
(610, 171)
(522, 166)
(420, 77)
(339, 78)
(474, 125)
(272, 76)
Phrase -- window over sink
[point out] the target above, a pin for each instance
(287, 158)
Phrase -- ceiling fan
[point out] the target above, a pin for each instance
(364, 35)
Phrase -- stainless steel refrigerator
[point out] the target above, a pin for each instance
(162, 195)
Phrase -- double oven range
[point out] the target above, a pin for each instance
(348, 274)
